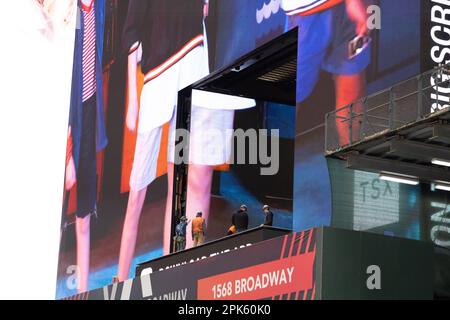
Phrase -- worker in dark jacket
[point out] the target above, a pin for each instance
(240, 219)
(180, 234)
(268, 220)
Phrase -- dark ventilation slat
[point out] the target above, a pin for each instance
(286, 72)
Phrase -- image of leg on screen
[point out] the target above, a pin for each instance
(184, 61)
(87, 133)
(333, 37)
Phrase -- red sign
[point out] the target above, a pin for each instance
(283, 276)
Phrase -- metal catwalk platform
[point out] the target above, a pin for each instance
(404, 130)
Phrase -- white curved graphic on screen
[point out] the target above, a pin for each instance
(267, 10)
(293, 7)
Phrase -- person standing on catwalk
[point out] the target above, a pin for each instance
(268, 216)
(180, 235)
(240, 219)
(198, 229)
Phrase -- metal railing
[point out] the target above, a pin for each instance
(401, 105)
